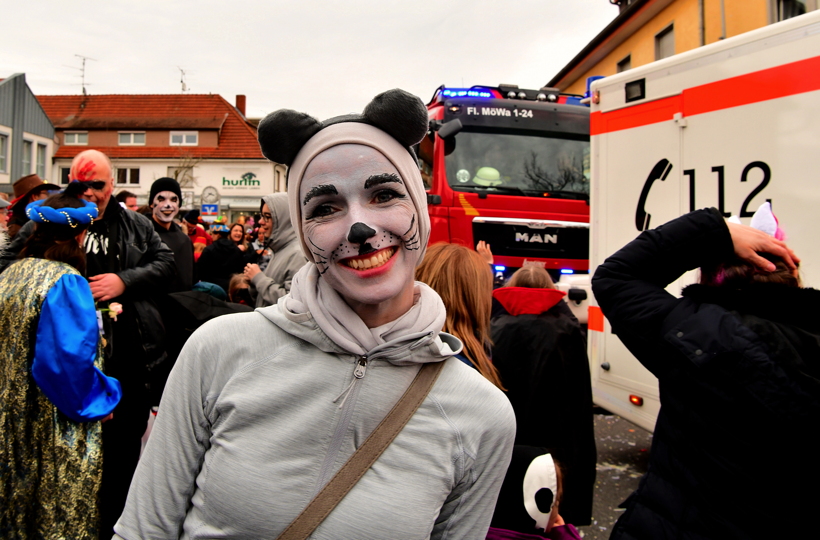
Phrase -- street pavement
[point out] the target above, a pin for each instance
(623, 455)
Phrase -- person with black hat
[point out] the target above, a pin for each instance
(197, 233)
(165, 200)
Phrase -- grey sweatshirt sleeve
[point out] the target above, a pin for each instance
(164, 481)
(468, 510)
(268, 291)
(275, 281)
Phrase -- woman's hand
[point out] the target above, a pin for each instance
(251, 270)
(483, 249)
(748, 242)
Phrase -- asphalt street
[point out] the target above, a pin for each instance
(623, 455)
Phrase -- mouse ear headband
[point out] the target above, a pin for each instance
(764, 220)
(541, 490)
(283, 133)
(392, 123)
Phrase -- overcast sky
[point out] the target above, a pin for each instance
(321, 57)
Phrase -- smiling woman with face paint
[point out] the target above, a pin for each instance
(251, 432)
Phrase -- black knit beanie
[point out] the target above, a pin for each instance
(192, 217)
(164, 184)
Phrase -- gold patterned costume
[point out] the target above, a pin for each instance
(50, 466)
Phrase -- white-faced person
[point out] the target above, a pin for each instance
(262, 409)
(165, 199)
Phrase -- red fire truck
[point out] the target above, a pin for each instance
(510, 166)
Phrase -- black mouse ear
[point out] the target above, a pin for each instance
(400, 114)
(284, 132)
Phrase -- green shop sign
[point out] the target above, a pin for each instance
(248, 180)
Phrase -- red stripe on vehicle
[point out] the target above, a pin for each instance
(764, 85)
(595, 319)
(653, 112)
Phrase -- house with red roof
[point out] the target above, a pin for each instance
(202, 140)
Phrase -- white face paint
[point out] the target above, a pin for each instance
(360, 225)
(165, 206)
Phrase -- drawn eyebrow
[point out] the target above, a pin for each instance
(384, 178)
(324, 189)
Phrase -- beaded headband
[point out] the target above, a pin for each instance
(62, 216)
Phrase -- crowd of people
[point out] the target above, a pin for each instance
(326, 374)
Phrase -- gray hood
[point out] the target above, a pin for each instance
(282, 232)
(413, 348)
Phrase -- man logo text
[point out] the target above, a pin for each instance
(535, 237)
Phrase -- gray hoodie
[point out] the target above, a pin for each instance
(250, 430)
(268, 286)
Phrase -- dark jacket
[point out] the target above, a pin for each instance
(146, 267)
(220, 261)
(540, 353)
(179, 242)
(733, 454)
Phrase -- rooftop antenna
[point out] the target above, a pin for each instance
(82, 70)
(182, 79)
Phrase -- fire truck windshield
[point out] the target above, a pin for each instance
(518, 164)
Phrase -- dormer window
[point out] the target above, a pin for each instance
(76, 138)
(132, 138)
(184, 138)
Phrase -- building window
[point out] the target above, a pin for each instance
(625, 64)
(665, 43)
(27, 148)
(786, 9)
(64, 171)
(41, 160)
(184, 138)
(77, 138)
(132, 139)
(128, 176)
(4, 153)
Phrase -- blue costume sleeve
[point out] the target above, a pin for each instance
(64, 353)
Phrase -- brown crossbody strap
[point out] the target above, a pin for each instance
(366, 455)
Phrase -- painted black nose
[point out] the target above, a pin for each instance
(360, 232)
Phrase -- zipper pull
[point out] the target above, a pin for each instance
(358, 373)
(361, 367)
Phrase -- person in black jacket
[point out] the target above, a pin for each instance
(221, 260)
(166, 198)
(127, 263)
(738, 366)
(540, 353)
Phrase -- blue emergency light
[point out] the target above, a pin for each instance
(466, 92)
(567, 271)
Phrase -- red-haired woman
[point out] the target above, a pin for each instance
(465, 283)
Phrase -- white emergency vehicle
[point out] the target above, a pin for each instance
(730, 125)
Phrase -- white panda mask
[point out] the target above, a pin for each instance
(540, 490)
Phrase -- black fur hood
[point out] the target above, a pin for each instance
(771, 301)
